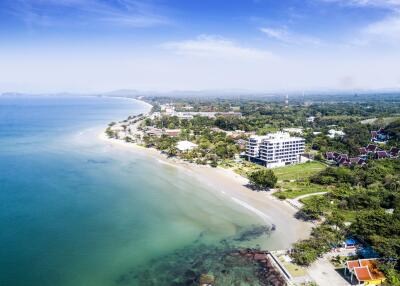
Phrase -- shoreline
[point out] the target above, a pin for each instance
(227, 183)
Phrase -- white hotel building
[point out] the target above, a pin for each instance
(275, 149)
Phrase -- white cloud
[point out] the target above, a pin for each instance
(385, 32)
(216, 46)
(278, 34)
(129, 13)
(387, 29)
(287, 37)
(368, 3)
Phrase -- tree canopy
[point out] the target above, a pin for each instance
(264, 178)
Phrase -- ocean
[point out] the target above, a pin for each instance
(74, 211)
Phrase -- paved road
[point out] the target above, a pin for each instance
(324, 274)
(296, 202)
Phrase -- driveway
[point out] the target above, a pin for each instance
(324, 274)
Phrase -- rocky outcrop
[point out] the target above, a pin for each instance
(267, 273)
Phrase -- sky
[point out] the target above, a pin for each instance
(167, 45)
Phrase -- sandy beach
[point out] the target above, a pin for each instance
(233, 186)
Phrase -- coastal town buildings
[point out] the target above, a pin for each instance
(169, 110)
(275, 149)
(370, 152)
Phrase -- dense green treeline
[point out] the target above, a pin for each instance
(368, 198)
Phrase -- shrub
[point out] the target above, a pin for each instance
(263, 179)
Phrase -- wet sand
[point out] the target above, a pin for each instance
(233, 186)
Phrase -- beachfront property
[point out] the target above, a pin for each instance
(275, 149)
(364, 272)
(184, 146)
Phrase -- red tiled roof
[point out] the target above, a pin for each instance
(330, 155)
(354, 160)
(362, 273)
(352, 263)
(365, 269)
(361, 162)
(394, 151)
(382, 154)
(363, 150)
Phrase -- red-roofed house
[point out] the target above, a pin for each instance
(381, 155)
(365, 271)
(343, 161)
(330, 156)
(357, 161)
(172, 132)
(371, 148)
(394, 151)
(363, 151)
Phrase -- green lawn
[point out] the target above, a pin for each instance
(327, 207)
(293, 190)
(293, 180)
(299, 171)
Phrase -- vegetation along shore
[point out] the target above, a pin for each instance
(338, 175)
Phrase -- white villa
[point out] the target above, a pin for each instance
(332, 133)
(275, 149)
(311, 119)
(185, 146)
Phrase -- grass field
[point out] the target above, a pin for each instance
(349, 215)
(294, 180)
(293, 269)
(293, 190)
(385, 121)
(299, 171)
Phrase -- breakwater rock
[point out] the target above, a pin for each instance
(218, 264)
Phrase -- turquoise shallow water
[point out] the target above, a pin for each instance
(74, 211)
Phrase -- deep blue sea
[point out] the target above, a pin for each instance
(75, 211)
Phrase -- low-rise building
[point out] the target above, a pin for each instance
(298, 130)
(394, 152)
(379, 136)
(275, 149)
(172, 132)
(332, 133)
(184, 146)
(364, 271)
(311, 119)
